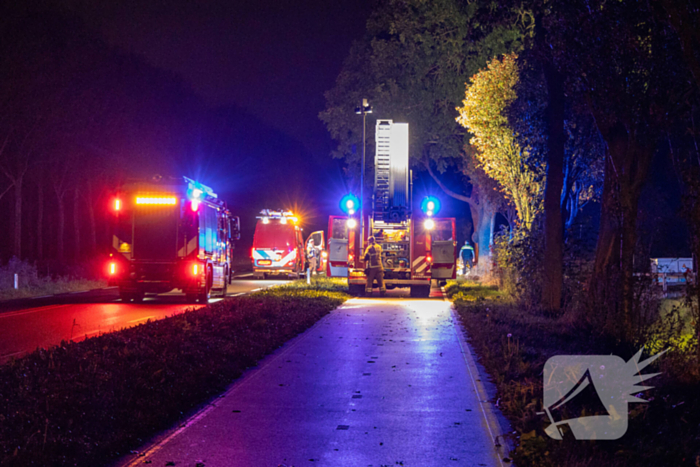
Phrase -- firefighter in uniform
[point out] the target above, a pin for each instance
(375, 270)
(312, 254)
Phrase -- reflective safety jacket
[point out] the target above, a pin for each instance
(466, 253)
(373, 256)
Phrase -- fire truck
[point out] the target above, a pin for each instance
(171, 233)
(279, 247)
(417, 247)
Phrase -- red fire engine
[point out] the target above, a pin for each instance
(416, 247)
(171, 233)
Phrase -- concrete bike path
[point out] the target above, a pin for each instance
(378, 382)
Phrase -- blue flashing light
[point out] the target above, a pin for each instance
(197, 191)
(349, 204)
(430, 205)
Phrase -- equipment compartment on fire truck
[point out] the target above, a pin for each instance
(171, 233)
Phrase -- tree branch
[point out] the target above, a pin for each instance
(466, 199)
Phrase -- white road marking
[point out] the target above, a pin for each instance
(478, 387)
(31, 310)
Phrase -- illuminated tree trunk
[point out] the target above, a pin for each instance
(611, 287)
(483, 217)
(553, 260)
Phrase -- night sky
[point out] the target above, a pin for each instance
(272, 58)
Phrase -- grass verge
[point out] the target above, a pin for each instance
(90, 402)
(31, 284)
(513, 345)
(49, 286)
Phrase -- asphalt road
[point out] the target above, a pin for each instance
(377, 382)
(30, 323)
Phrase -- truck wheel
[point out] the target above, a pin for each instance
(205, 293)
(356, 290)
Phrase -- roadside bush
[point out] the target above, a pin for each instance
(519, 264)
(89, 402)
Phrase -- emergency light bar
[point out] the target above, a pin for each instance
(283, 216)
(161, 201)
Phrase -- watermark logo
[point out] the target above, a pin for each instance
(588, 394)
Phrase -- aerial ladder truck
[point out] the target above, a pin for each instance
(417, 247)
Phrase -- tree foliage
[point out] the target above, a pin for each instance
(499, 153)
(412, 65)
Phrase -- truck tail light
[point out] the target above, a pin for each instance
(429, 259)
(195, 269)
(117, 205)
(112, 268)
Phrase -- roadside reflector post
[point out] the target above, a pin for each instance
(16, 281)
(308, 276)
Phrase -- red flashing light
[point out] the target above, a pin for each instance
(195, 269)
(252, 250)
(194, 206)
(429, 259)
(112, 268)
(117, 205)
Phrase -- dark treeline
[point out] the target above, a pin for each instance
(77, 117)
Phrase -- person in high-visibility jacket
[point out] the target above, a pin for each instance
(466, 254)
(375, 270)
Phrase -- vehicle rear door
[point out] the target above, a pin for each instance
(444, 246)
(337, 246)
(420, 250)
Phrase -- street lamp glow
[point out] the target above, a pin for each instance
(352, 223)
(429, 224)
